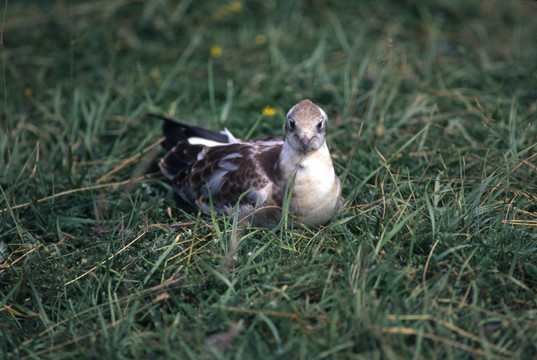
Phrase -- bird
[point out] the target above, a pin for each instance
(261, 178)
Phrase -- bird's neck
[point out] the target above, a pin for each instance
(290, 159)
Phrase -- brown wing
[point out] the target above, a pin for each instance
(224, 172)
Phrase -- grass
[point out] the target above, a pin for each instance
(433, 136)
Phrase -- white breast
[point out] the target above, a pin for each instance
(316, 187)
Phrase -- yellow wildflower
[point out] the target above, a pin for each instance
(236, 7)
(269, 111)
(155, 74)
(260, 39)
(216, 51)
(28, 91)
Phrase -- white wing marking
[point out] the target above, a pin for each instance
(231, 139)
(226, 164)
(268, 145)
(201, 141)
(215, 183)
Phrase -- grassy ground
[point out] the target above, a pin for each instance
(433, 135)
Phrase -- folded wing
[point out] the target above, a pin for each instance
(207, 166)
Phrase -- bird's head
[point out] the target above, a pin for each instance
(305, 127)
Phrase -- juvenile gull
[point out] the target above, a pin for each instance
(208, 167)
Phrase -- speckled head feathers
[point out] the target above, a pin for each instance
(306, 126)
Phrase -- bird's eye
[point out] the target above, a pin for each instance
(292, 124)
(320, 125)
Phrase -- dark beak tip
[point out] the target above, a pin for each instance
(305, 144)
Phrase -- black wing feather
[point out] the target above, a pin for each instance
(176, 131)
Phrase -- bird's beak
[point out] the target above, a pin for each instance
(305, 143)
